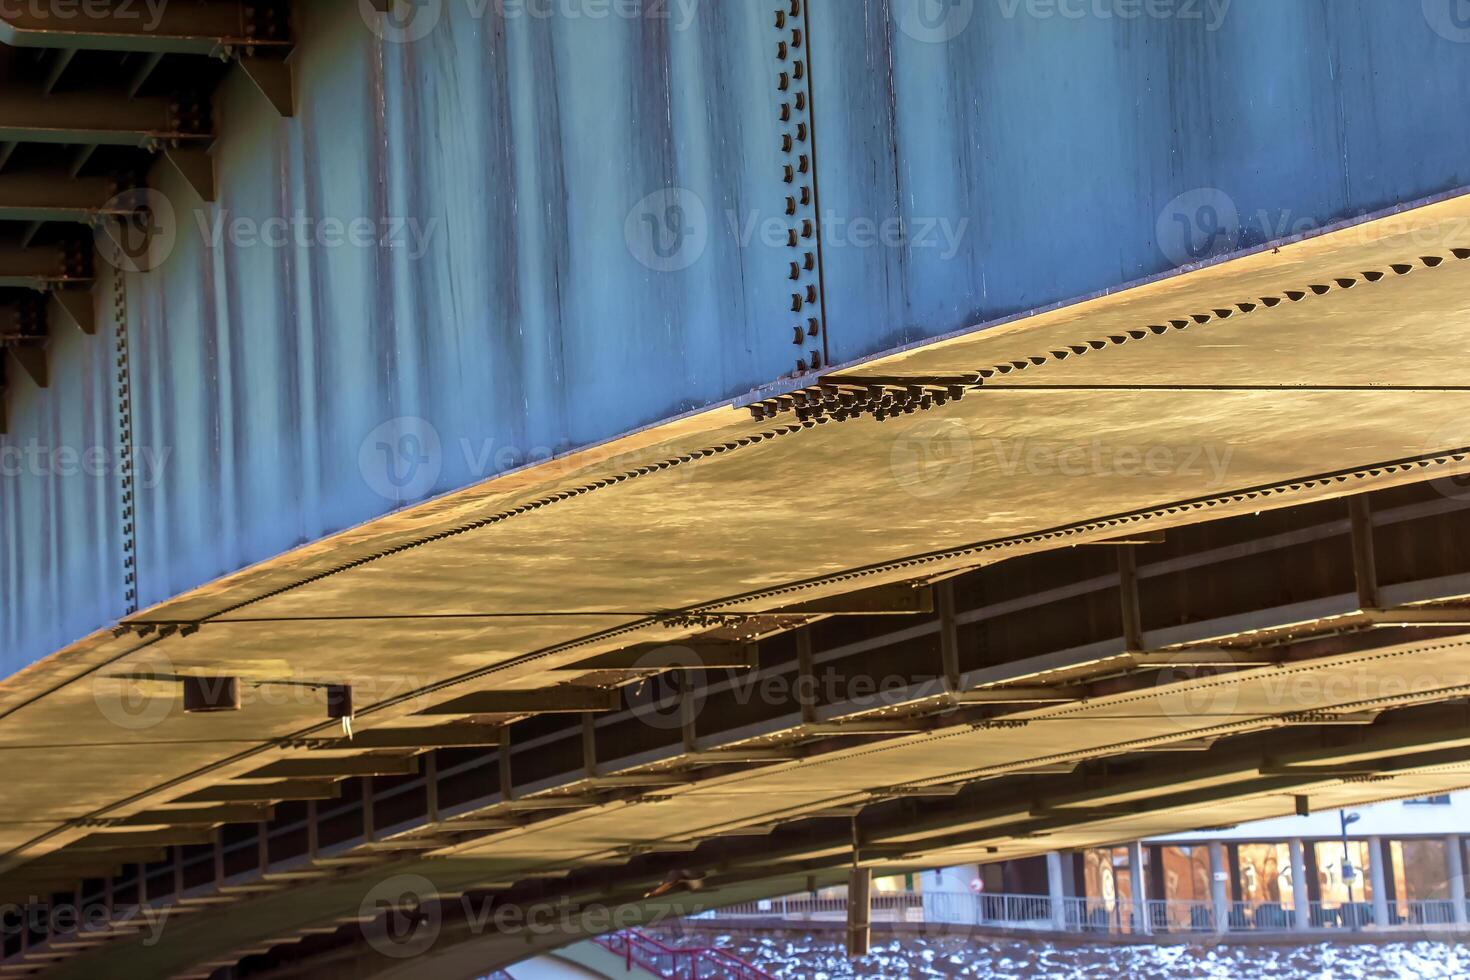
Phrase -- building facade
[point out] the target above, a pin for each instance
(1399, 864)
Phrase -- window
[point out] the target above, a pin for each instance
(1265, 873)
(1443, 799)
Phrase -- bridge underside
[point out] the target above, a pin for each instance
(974, 577)
(979, 594)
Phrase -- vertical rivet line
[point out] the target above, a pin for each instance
(799, 176)
(125, 436)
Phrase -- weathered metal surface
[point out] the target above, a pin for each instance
(1049, 618)
(61, 572)
(499, 301)
(1064, 150)
(493, 588)
(506, 174)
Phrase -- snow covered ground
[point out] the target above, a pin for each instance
(815, 958)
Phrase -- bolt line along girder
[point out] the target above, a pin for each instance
(175, 28)
(29, 116)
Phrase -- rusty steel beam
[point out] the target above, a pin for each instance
(28, 115)
(223, 813)
(204, 27)
(27, 324)
(1426, 616)
(86, 861)
(23, 338)
(323, 766)
(901, 599)
(682, 655)
(42, 267)
(435, 737)
(272, 792)
(1021, 695)
(272, 77)
(48, 196)
(130, 839)
(75, 306)
(565, 699)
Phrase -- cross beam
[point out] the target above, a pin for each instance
(57, 196)
(435, 737)
(685, 655)
(42, 267)
(884, 600)
(224, 813)
(23, 338)
(169, 837)
(203, 28)
(325, 766)
(564, 699)
(272, 792)
(92, 118)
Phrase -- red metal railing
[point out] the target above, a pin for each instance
(679, 963)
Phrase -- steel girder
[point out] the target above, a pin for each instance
(72, 99)
(201, 27)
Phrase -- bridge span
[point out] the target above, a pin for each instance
(469, 462)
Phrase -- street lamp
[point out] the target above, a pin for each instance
(1348, 873)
